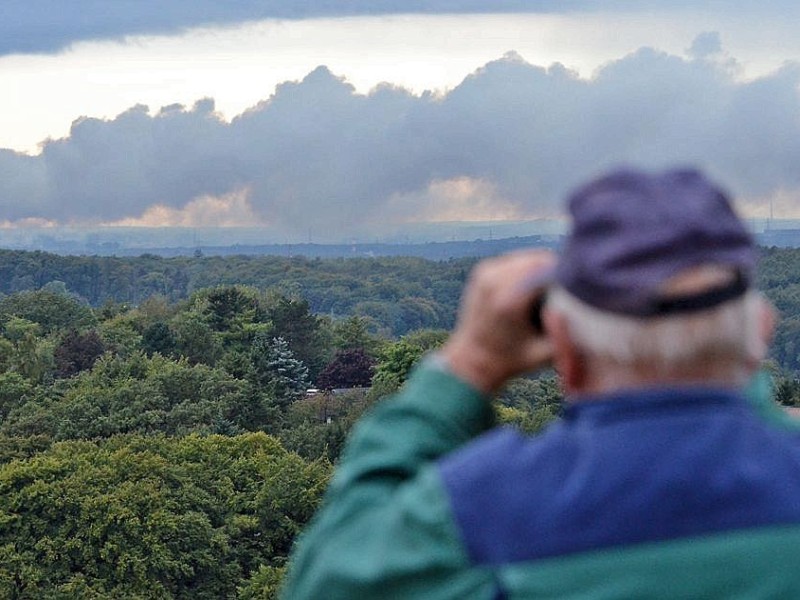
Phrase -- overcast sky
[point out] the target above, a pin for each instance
(298, 115)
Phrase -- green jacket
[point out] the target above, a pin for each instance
(654, 494)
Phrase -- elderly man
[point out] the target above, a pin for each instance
(663, 479)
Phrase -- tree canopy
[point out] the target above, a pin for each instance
(157, 435)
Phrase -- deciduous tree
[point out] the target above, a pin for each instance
(349, 368)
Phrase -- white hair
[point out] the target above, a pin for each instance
(729, 333)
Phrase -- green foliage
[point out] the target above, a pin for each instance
(530, 404)
(120, 334)
(313, 440)
(195, 339)
(234, 313)
(227, 306)
(427, 339)
(15, 391)
(394, 365)
(159, 338)
(529, 421)
(779, 278)
(153, 309)
(353, 333)
(153, 517)
(417, 313)
(264, 585)
(293, 321)
(396, 359)
(141, 394)
(395, 294)
(785, 385)
(276, 370)
(96, 501)
(317, 426)
(17, 329)
(30, 355)
(7, 354)
(16, 448)
(525, 392)
(50, 310)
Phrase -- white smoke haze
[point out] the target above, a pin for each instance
(507, 143)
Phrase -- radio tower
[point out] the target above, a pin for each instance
(769, 223)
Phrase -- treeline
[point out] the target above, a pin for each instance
(395, 294)
(398, 294)
(169, 448)
(153, 517)
(140, 452)
(780, 280)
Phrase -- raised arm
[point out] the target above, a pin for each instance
(385, 530)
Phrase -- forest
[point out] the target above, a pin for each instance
(168, 426)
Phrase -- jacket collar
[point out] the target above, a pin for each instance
(648, 402)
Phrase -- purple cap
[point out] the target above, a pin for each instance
(632, 231)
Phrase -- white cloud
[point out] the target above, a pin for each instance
(240, 64)
(509, 141)
(781, 203)
(228, 210)
(28, 222)
(457, 199)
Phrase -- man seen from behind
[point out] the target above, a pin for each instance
(664, 478)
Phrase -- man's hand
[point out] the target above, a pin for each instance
(494, 338)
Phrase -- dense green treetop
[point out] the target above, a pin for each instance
(152, 517)
(157, 439)
(398, 294)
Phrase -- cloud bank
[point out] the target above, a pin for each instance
(42, 26)
(508, 142)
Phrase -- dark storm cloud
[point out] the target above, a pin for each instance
(317, 154)
(107, 169)
(36, 26)
(29, 26)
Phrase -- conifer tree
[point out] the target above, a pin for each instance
(277, 370)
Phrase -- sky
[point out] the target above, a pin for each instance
(304, 114)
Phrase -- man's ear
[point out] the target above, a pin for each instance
(767, 320)
(567, 360)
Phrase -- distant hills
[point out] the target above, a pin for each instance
(428, 250)
(174, 242)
